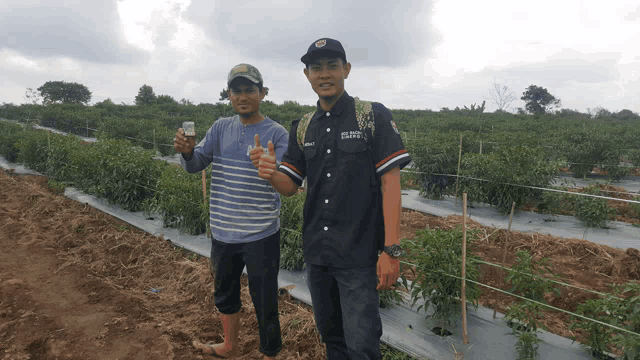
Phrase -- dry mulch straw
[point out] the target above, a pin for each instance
(143, 276)
(578, 262)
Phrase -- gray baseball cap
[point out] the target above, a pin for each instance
(246, 71)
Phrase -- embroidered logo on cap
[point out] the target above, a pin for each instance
(321, 43)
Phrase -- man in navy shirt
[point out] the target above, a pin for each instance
(352, 209)
(244, 211)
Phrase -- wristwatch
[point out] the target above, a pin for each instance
(395, 251)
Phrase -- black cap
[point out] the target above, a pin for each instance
(324, 46)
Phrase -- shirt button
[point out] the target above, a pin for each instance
(328, 129)
(326, 201)
(328, 174)
(328, 113)
(243, 133)
(328, 151)
(326, 228)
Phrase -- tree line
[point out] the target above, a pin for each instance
(538, 100)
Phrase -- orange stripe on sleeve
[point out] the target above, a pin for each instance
(291, 167)
(390, 157)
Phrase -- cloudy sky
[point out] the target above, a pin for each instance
(409, 55)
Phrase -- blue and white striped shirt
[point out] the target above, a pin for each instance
(242, 207)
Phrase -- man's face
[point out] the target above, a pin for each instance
(327, 76)
(245, 97)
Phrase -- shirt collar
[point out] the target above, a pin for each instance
(338, 108)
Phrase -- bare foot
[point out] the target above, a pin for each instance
(217, 350)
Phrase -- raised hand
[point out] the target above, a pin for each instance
(267, 164)
(256, 152)
(183, 144)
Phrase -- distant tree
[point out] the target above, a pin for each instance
(569, 112)
(32, 96)
(224, 95)
(538, 100)
(184, 101)
(145, 96)
(64, 92)
(165, 99)
(626, 114)
(502, 96)
(601, 112)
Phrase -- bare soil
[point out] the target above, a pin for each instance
(76, 283)
(578, 262)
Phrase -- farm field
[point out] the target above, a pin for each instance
(89, 295)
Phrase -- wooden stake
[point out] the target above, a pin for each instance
(458, 173)
(465, 335)
(504, 251)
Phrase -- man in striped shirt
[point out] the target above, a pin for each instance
(244, 211)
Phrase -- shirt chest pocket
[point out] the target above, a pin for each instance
(355, 158)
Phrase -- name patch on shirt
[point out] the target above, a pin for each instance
(309, 144)
(356, 134)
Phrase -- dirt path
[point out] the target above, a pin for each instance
(78, 284)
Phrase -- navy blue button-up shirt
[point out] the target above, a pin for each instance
(343, 224)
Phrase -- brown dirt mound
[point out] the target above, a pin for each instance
(76, 283)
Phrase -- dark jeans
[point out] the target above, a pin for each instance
(346, 309)
(262, 258)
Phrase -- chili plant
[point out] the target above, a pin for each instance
(437, 256)
(527, 279)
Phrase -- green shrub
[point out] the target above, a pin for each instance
(503, 171)
(434, 253)
(527, 279)
(33, 149)
(435, 156)
(593, 212)
(552, 202)
(10, 134)
(599, 337)
(636, 206)
(179, 200)
(291, 255)
(621, 308)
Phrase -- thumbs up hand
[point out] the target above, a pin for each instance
(267, 164)
(256, 152)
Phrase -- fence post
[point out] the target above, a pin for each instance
(504, 251)
(459, 159)
(465, 335)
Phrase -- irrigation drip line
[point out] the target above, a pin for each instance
(527, 186)
(545, 305)
(539, 277)
(533, 301)
(532, 275)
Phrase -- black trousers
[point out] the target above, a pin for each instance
(262, 259)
